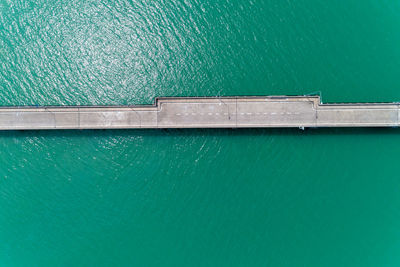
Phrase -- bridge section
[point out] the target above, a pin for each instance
(207, 112)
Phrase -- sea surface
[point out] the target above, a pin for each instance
(255, 197)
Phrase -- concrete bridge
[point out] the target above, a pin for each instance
(205, 112)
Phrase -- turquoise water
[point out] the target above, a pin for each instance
(321, 197)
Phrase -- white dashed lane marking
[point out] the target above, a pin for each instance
(242, 113)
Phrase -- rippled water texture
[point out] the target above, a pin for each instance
(327, 197)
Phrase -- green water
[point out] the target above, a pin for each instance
(322, 197)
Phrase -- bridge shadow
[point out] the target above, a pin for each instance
(202, 132)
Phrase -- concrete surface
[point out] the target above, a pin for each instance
(207, 112)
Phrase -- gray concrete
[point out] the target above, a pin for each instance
(212, 112)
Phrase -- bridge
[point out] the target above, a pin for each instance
(205, 112)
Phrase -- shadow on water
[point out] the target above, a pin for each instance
(201, 132)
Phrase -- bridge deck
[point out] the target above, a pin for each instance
(212, 112)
